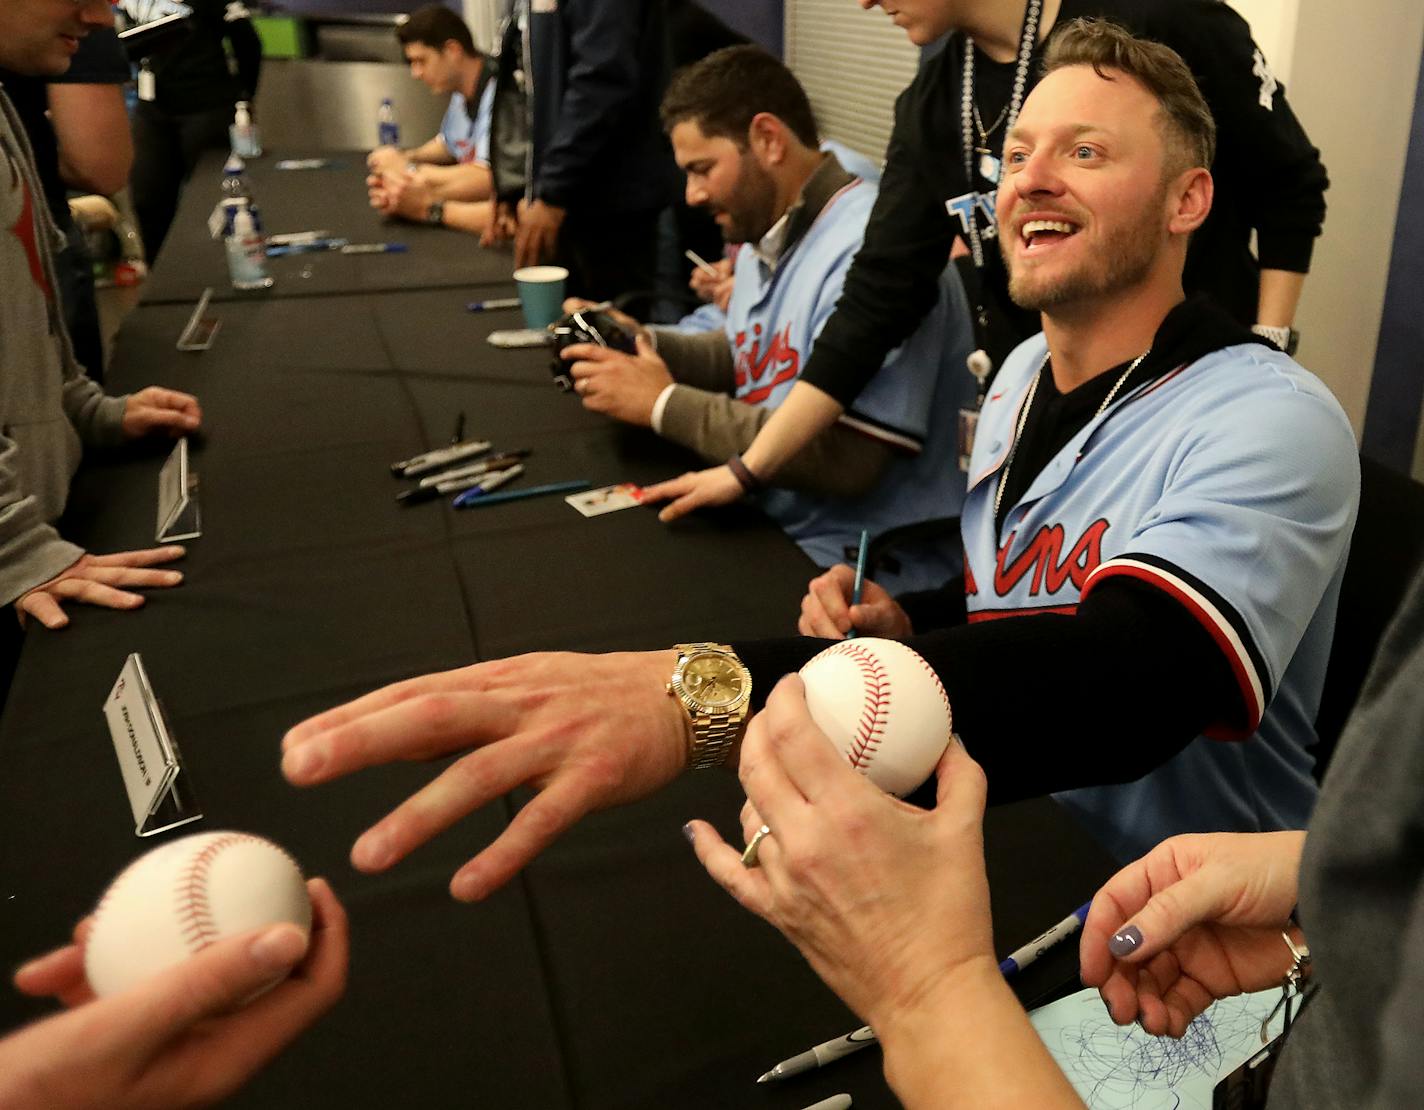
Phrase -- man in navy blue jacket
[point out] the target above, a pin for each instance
(598, 170)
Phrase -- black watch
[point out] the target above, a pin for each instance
(435, 214)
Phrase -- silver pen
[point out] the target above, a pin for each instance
(835, 1102)
(484, 466)
(700, 262)
(863, 1037)
(822, 1054)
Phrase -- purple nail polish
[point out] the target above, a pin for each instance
(689, 832)
(1125, 942)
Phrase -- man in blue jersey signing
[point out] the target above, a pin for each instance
(744, 134)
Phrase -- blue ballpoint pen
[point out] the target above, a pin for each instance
(472, 499)
(488, 485)
(859, 576)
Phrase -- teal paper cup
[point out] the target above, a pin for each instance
(541, 293)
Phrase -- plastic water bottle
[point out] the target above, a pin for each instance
(246, 139)
(387, 128)
(246, 252)
(235, 190)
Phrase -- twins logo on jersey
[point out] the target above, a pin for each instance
(1050, 564)
(759, 371)
(963, 208)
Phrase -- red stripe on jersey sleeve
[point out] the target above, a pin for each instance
(1213, 622)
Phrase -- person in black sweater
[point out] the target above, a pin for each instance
(193, 96)
(935, 198)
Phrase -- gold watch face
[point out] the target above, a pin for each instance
(713, 681)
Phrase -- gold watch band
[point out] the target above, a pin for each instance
(714, 735)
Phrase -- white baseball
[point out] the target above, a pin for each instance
(883, 706)
(179, 898)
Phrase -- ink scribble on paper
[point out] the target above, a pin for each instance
(1115, 1068)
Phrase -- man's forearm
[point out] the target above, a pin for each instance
(468, 215)
(837, 463)
(805, 414)
(1279, 296)
(703, 360)
(467, 181)
(91, 127)
(433, 152)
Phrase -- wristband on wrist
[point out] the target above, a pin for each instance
(749, 482)
(1286, 338)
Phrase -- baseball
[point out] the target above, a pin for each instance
(883, 706)
(181, 897)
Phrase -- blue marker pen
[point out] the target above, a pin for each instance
(1020, 958)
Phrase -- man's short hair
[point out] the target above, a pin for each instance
(1188, 128)
(434, 25)
(726, 89)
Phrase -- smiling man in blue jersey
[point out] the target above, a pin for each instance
(446, 180)
(743, 132)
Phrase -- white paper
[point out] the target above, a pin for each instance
(1112, 1067)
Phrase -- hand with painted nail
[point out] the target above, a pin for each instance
(188, 1036)
(1198, 918)
(585, 731)
(890, 906)
(108, 581)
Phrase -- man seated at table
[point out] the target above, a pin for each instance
(743, 132)
(446, 180)
(1160, 504)
(50, 410)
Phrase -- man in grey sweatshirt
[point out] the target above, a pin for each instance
(49, 408)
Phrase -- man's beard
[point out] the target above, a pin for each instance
(751, 207)
(1124, 260)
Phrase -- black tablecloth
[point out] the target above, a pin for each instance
(333, 200)
(612, 973)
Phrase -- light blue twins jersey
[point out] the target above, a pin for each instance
(1231, 484)
(911, 404)
(467, 139)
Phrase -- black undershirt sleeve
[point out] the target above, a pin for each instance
(1053, 702)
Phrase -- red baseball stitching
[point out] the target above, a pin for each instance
(195, 916)
(874, 711)
(934, 677)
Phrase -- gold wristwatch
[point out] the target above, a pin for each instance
(714, 690)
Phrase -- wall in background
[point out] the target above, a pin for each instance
(1394, 430)
(1355, 69)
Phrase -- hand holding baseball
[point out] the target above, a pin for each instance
(884, 900)
(186, 1036)
(826, 610)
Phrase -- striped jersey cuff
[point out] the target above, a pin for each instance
(1225, 626)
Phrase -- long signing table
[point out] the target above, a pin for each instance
(612, 973)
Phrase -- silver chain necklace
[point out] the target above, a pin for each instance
(1028, 405)
(988, 165)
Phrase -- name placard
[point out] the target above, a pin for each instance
(200, 330)
(178, 516)
(148, 757)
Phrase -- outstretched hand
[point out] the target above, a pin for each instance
(697, 489)
(586, 731)
(104, 580)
